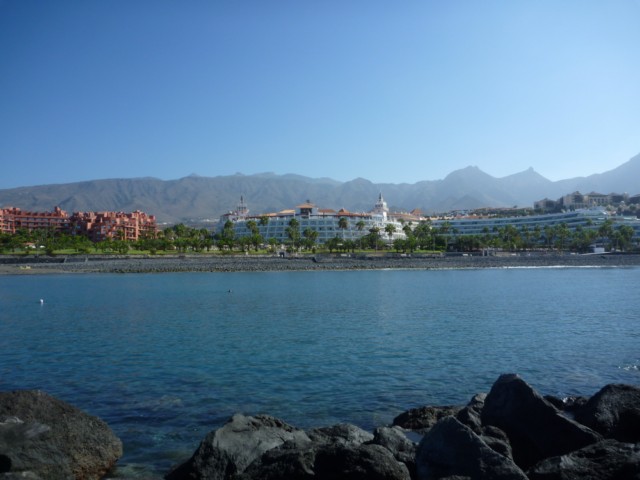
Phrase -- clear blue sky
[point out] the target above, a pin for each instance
(389, 91)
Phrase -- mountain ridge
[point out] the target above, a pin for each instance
(194, 198)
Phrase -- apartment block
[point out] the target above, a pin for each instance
(96, 226)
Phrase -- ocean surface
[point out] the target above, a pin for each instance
(165, 358)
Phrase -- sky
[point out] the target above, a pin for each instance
(394, 92)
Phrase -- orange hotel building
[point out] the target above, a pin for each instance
(96, 226)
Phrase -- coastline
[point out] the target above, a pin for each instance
(11, 265)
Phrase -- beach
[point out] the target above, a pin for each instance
(14, 265)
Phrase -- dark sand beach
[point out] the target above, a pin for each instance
(11, 265)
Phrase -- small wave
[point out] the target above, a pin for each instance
(631, 368)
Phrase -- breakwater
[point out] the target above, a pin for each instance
(258, 263)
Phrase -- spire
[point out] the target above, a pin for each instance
(242, 210)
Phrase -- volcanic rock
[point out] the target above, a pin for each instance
(42, 436)
(614, 412)
(605, 460)
(453, 449)
(423, 418)
(227, 451)
(536, 429)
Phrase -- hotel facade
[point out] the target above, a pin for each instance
(97, 226)
(326, 222)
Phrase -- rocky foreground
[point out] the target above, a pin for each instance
(511, 433)
(254, 263)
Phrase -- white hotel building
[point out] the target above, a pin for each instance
(323, 221)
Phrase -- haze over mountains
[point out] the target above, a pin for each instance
(195, 198)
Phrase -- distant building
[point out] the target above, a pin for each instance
(577, 200)
(96, 226)
(13, 219)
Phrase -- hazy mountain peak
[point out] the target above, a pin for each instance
(196, 197)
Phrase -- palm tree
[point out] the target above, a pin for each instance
(375, 236)
(310, 236)
(563, 232)
(605, 231)
(253, 227)
(343, 224)
(390, 229)
(444, 231)
(293, 232)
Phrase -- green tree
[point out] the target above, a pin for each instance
(444, 229)
(333, 244)
(293, 232)
(310, 237)
(562, 234)
(605, 231)
(390, 229)
(343, 224)
(374, 236)
(623, 235)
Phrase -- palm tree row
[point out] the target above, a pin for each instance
(421, 237)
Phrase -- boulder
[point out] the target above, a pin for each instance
(227, 451)
(42, 436)
(358, 462)
(423, 418)
(337, 452)
(451, 449)
(605, 460)
(394, 440)
(536, 429)
(470, 415)
(497, 439)
(340, 433)
(329, 461)
(614, 412)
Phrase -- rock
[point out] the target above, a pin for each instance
(340, 433)
(327, 461)
(498, 440)
(453, 449)
(470, 415)
(42, 436)
(605, 460)
(614, 412)
(567, 404)
(394, 440)
(336, 452)
(358, 462)
(536, 429)
(285, 462)
(227, 451)
(423, 418)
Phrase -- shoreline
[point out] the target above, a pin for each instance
(12, 265)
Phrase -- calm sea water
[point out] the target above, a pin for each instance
(166, 358)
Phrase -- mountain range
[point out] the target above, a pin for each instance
(195, 199)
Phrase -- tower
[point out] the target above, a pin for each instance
(380, 207)
(241, 209)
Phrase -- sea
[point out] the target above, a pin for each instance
(166, 358)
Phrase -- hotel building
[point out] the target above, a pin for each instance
(326, 222)
(96, 226)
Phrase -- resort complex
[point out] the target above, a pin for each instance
(392, 228)
(96, 226)
(307, 220)
(600, 227)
